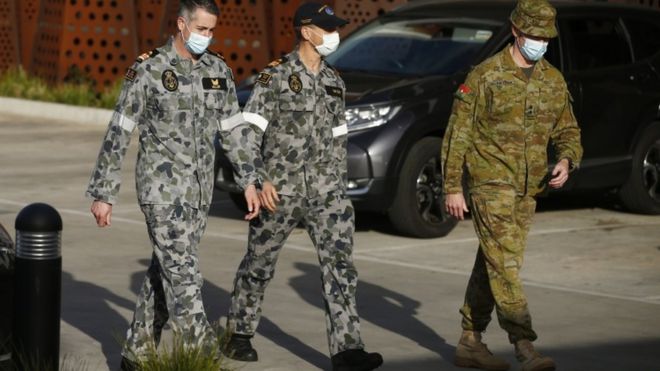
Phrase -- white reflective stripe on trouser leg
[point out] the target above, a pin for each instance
(232, 122)
(125, 123)
(339, 131)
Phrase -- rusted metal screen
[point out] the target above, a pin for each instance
(9, 54)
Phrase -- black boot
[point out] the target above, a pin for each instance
(356, 360)
(128, 365)
(240, 348)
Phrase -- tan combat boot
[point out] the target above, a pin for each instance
(530, 359)
(472, 353)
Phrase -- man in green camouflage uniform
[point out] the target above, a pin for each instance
(176, 96)
(293, 146)
(503, 117)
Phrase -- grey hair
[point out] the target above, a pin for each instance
(187, 8)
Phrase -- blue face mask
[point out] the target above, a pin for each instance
(196, 43)
(532, 49)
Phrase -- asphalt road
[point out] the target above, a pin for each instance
(592, 272)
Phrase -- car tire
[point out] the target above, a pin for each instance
(641, 192)
(418, 207)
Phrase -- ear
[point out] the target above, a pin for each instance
(515, 31)
(181, 24)
(304, 32)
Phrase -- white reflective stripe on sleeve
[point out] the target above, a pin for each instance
(125, 123)
(232, 122)
(256, 119)
(339, 131)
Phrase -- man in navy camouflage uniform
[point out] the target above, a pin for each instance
(292, 146)
(176, 96)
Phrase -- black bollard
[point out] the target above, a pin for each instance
(7, 297)
(37, 288)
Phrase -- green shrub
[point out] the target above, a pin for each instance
(17, 83)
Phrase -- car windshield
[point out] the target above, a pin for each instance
(412, 47)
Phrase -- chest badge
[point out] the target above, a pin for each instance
(295, 84)
(170, 81)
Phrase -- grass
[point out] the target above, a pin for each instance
(17, 83)
(174, 357)
(179, 357)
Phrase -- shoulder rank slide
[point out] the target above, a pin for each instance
(215, 54)
(277, 62)
(146, 56)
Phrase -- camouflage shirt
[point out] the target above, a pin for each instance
(501, 123)
(294, 134)
(177, 107)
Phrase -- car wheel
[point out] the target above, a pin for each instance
(641, 192)
(418, 207)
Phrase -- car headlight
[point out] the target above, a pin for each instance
(364, 117)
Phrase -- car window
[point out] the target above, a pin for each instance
(645, 37)
(598, 43)
(412, 47)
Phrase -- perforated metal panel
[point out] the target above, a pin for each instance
(150, 16)
(242, 36)
(360, 12)
(47, 38)
(28, 15)
(282, 37)
(9, 55)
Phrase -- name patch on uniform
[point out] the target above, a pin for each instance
(335, 91)
(170, 81)
(295, 84)
(130, 74)
(264, 78)
(214, 83)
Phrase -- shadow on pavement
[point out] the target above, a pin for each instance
(383, 307)
(85, 307)
(637, 355)
(216, 304)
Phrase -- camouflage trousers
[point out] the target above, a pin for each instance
(330, 223)
(172, 286)
(502, 220)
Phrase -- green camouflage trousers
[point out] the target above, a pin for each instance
(172, 286)
(502, 220)
(330, 223)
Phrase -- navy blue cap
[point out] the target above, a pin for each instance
(318, 15)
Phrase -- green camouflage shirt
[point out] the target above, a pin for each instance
(177, 107)
(501, 124)
(294, 133)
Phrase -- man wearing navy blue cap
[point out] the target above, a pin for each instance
(290, 153)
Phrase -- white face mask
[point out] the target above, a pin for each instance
(330, 43)
(196, 43)
(532, 49)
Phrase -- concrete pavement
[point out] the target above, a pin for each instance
(592, 273)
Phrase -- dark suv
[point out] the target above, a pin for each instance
(402, 69)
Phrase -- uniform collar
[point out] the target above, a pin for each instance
(299, 66)
(510, 65)
(175, 59)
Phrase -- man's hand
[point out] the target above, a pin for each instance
(559, 174)
(268, 196)
(455, 205)
(102, 212)
(253, 202)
